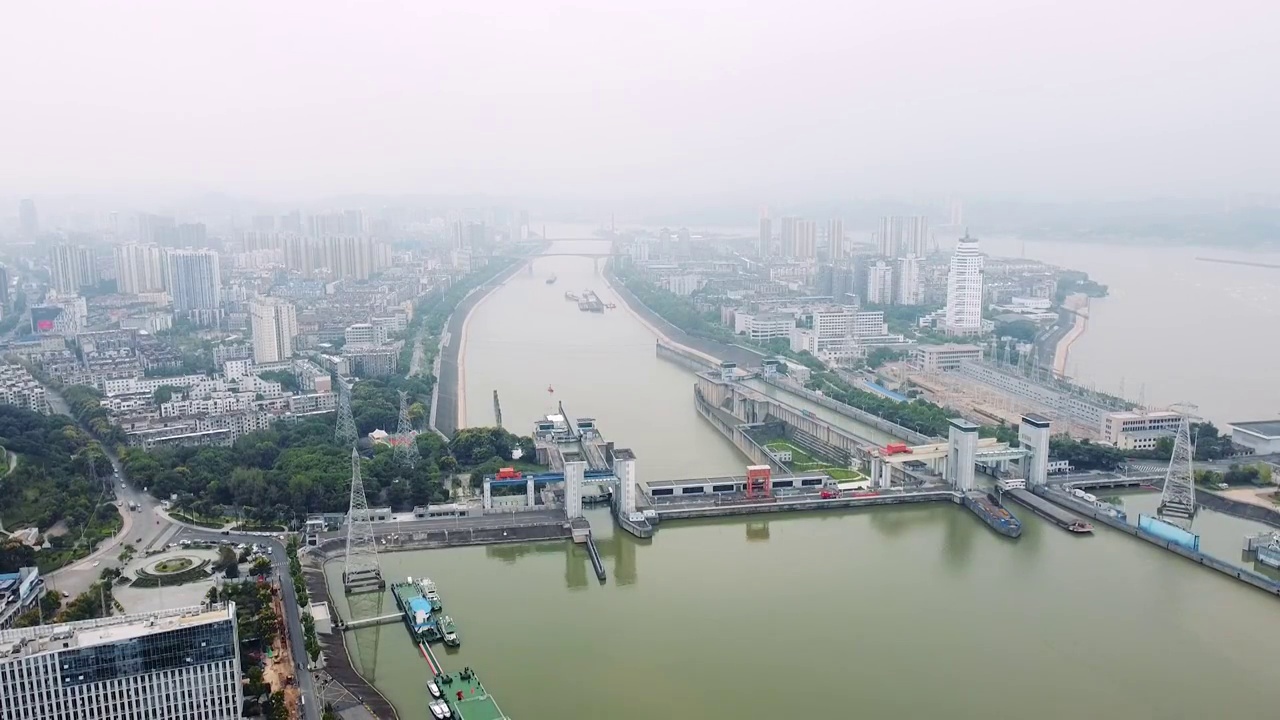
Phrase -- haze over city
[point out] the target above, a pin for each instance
(609, 100)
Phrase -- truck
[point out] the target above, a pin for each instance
(896, 448)
(509, 474)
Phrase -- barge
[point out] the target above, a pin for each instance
(1016, 489)
(416, 608)
(464, 697)
(989, 510)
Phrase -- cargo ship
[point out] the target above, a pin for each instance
(461, 695)
(988, 508)
(569, 295)
(1016, 489)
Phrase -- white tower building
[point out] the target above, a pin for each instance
(964, 289)
(962, 440)
(274, 323)
(1033, 434)
(909, 289)
(880, 283)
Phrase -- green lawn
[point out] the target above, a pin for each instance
(802, 461)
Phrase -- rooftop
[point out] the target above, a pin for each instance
(1269, 429)
(102, 631)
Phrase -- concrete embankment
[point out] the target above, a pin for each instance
(1078, 304)
(674, 335)
(1236, 508)
(458, 537)
(448, 395)
(338, 662)
(1259, 581)
(691, 359)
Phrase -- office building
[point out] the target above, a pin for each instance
(902, 236)
(1260, 436)
(28, 221)
(869, 324)
(364, 334)
(195, 284)
(761, 328)
(835, 239)
(1139, 429)
(274, 324)
(181, 664)
(832, 327)
(910, 288)
(765, 244)
(941, 358)
(72, 267)
(964, 289)
(141, 268)
(880, 283)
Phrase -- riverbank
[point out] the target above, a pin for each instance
(1078, 304)
(712, 350)
(448, 410)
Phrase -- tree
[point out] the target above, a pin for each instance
(260, 567)
(15, 555)
(227, 562)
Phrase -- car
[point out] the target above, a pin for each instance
(226, 532)
(96, 563)
(66, 594)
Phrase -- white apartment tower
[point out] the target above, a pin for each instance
(72, 267)
(964, 289)
(880, 283)
(180, 664)
(835, 238)
(910, 291)
(903, 236)
(141, 268)
(275, 325)
(806, 247)
(195, 284)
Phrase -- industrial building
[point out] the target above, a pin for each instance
(1263, 437)
(181, 664)
(941, 358)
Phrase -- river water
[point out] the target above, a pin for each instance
(914, 612)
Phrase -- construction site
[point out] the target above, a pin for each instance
(999, 393)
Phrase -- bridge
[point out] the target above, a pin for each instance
(370, 622)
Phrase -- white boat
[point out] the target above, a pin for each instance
(433, 688)
(438, 710)
(428, 589)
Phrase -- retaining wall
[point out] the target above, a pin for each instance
(1259, 581)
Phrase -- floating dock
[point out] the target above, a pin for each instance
(596, 563)
(993, 514)
(1047, 510)
(417, 611)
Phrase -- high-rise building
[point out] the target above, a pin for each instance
(903, 236)
(4, 291)
(787, 236)
(157, 229)
(964, 289)
(765, 244)
(180, 664)
(72, 267)
(835, 238)
(880, 283)
(28, 221)
(195, 284)
(274, 324)
(910, 289)
(141, 268)
(192, 235)
(806, 240)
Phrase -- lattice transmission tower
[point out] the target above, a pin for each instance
(406, 445)
(1179, 497)
(360, 571)
(346, 433)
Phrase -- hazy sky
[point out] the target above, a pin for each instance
(776, 100)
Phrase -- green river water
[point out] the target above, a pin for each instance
(917, 612)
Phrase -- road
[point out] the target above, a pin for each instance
(387, 529)
(289, 599)
(141, 528)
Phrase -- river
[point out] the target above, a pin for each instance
(916, 612)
